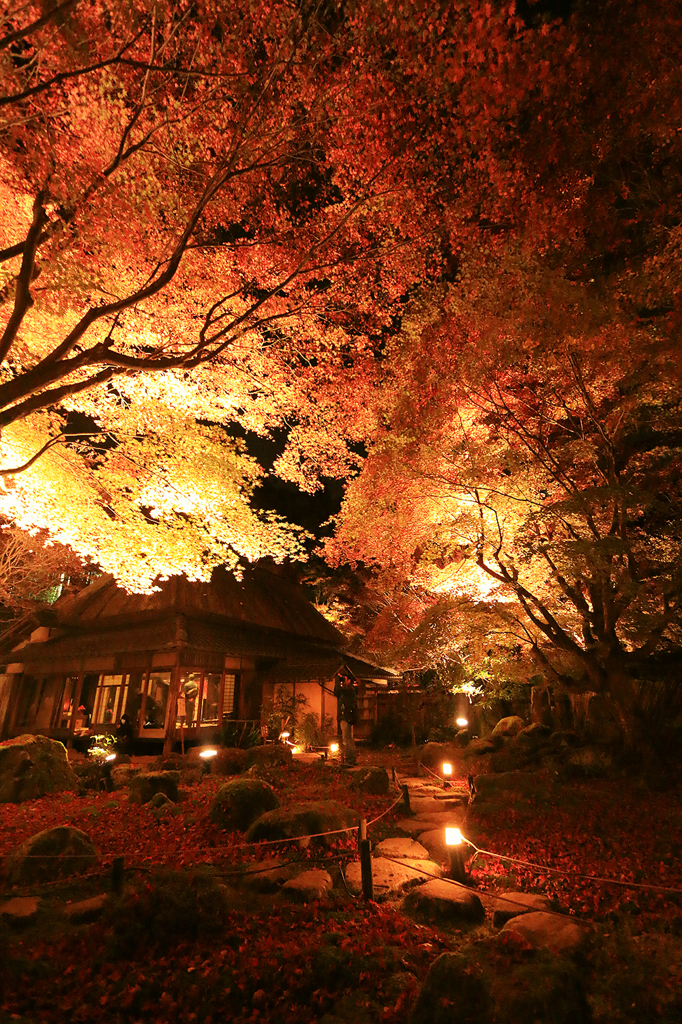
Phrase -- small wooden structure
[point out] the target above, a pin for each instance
(191, 662)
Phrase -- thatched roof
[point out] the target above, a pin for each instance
(261, 599)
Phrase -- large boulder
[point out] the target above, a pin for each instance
(452, 993)
(31, 767)
(509, 726)
(239, 802)
(55, 853)
(144, 786)
(303, 819)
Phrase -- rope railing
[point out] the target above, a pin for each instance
(260, 844)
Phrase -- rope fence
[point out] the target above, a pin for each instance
(105, 870)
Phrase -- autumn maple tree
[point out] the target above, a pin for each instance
(204, 225)
(521, 493)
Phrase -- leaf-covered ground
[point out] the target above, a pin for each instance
(196, 947)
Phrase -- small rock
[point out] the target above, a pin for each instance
(21, 909)
(441, 901)
(310, 885)
(512, 904)
(267, 875)
(551, 931)
(85, 910)
(160, 800)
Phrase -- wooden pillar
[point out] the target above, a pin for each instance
(171, 710)
(77, 690)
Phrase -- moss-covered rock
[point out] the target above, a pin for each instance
(146, 785)
(31, 767)
(239, 802)
(55, 853)
(509, 726)
(269, 754)
(372, 780)
(303, 819)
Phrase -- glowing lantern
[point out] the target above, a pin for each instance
(454, 842)
(110, 757)
(462, 722)
(295, 750)
(453, 837)
(447, 769)
(207, 757)
(284, 735)
(333, 748)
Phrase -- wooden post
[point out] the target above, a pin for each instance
(365, 862)
(117, 875)
(457, 872)
(406, 799)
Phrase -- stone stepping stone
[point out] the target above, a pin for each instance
(441, 902)
(391, 877)
(434, 841)
(427, 807)
(310, 885)
(548, 931)
(414, 826)
(401, 848)
(20, 909)
(512, 904)
(85, 910)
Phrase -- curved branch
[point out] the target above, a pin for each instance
(23, 299)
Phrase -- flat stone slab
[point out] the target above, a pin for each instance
(434, 841)
(85, 910)
(442, 901)
(543, 930)
(427, 807)
(414, 826)
(390, 876)
(402, 848)
(310, 885)
(512, 904)
(21, 909)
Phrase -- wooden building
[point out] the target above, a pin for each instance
(191, 662)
